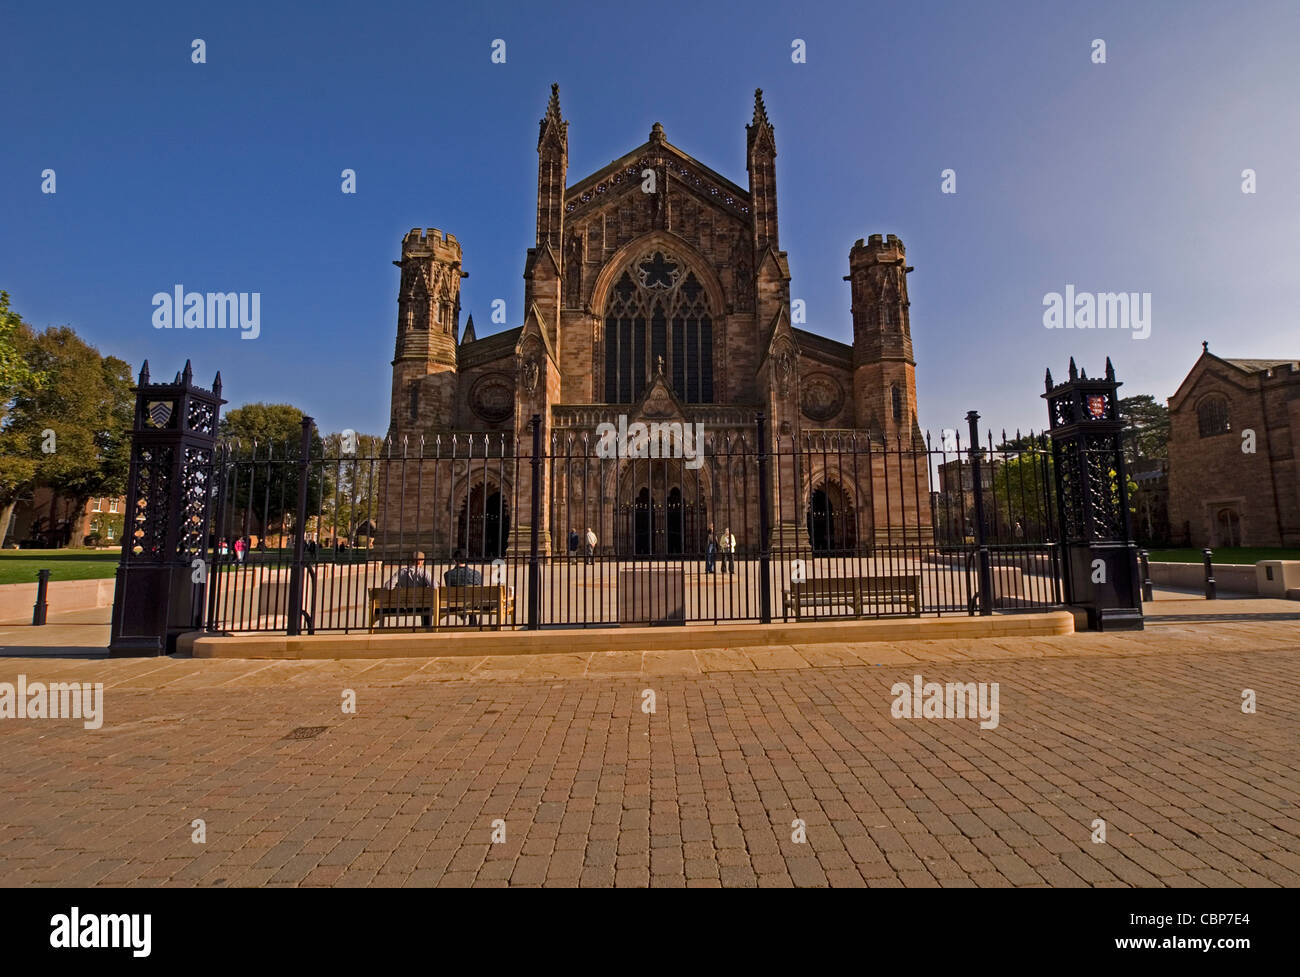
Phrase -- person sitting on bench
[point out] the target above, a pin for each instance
(413, 575)
(462, 576)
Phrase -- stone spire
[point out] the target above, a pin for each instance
(761, 163)
(553, 118)
(761, 126)
(552, 169)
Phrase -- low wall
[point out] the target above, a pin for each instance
(16, 599)
(1232, 578)
(408, 644)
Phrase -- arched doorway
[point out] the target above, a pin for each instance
(643, 524)
(483, 528)
(676, 522)
(821, 521)
(655, 524)
(832, 523)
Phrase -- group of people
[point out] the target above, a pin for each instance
(414, 574)
(724, 544)
(715, 545)
(575, 541)
(462, 575)
(239, 548)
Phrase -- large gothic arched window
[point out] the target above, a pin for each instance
(658, 314)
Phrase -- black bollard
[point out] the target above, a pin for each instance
(40, 608)
(1145, 557)
(1210, 588)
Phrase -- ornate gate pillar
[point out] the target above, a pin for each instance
(1100, 555)
(168, 497)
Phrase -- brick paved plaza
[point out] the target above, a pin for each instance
(1142, 730)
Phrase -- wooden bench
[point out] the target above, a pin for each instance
(435, 603)
(857, 593)
(495, 599)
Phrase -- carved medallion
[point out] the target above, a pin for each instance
(822, 396)
(492, 397)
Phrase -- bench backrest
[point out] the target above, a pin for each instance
(826, 587)
(402, 596)
(848, 586)
(475, 596)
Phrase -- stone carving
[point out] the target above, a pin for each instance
(573, 271)
(744, 297)
(414, 270)
(531, 373)
(822, 397)
(492, 398)
(784, 373)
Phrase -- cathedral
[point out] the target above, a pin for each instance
(657, 290)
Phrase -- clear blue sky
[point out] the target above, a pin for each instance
(226, 176)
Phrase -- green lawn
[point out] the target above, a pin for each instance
(20, 566)
(1227, 555)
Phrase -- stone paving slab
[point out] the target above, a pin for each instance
(1143, 730)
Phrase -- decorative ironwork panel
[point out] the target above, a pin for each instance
(1103, 481)
(195, 480)
(203, 417)
(149, 507)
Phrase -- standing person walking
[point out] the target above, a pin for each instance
(573, 545)
(710, 550)
(239, 550)
(728, 546)
(591, 546)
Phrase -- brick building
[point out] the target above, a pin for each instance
(1220, 493)
(47, 519)
(658, 289)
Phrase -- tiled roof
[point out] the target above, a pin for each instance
(822, 344)
(490, 347)
(1259, 366)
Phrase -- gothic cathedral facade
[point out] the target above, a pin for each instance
(657, 290)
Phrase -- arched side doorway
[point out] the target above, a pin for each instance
(831, 519)
(483, 525)
(1227, 526)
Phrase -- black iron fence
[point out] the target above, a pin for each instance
(579, 530)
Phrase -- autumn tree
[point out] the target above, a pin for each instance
(67, 421)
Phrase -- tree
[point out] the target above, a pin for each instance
(1146, 431)
(1021, 494)
(265, 442)
(15, 372)
(356, 479)
(68, 423)
(16, 467)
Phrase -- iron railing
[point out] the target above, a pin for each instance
(744, 527)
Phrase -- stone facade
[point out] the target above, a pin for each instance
(657, 289)
(1219, 493)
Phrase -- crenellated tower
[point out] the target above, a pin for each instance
(428, 316)
(884, 373)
